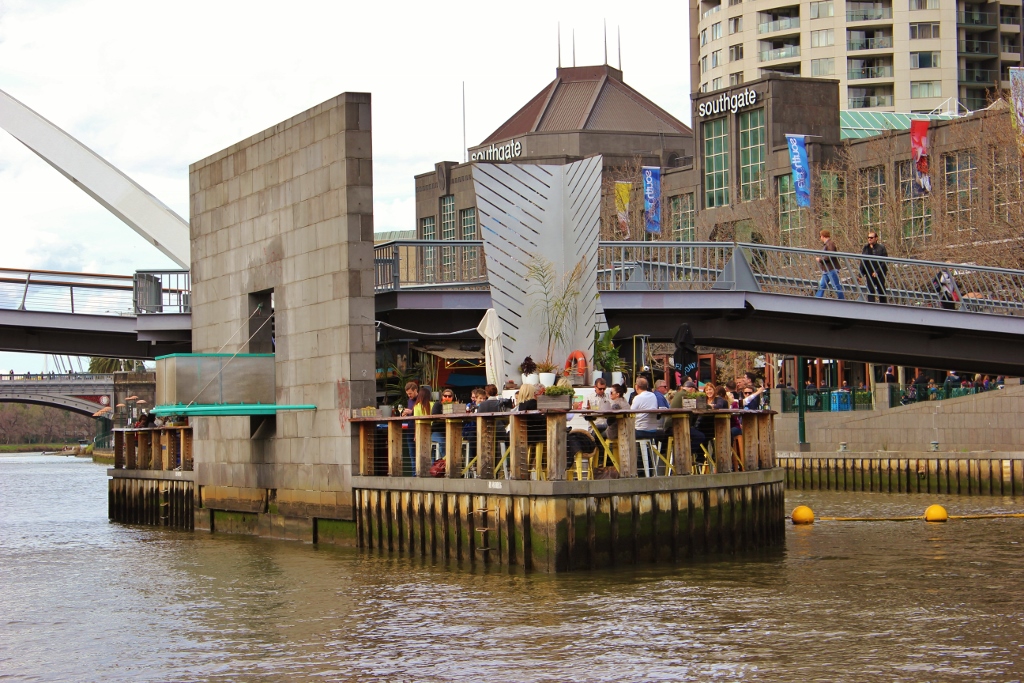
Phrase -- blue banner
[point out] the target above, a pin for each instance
(801, 170)
(652, 199)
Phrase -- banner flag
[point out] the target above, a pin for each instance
(1017, 97)
(622, 192)
(922, 182)
(652, 199)
(801, 169)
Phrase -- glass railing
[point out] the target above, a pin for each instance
(827, 400)
(783, 24)
(876, 14)
(870, 72)
(879, 43)
(906, 394)
(1009, 47)
(974, 103)
(977, 47)
(1010, 21)
(780, 53)
(871, 101)
(978, 75)
(976, 19)
(708, 13)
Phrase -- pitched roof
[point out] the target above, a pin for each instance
(589, 98)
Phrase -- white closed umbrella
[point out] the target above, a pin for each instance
(494, 355)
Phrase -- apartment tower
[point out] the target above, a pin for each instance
(889, 55)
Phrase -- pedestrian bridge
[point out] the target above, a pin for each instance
(742, 296)
(84, 393)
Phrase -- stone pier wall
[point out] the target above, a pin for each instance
(285, 218)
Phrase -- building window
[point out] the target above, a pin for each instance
(924, 60)
(752, 154)
(470, 255)
(1008, 188)
(716, 83)
(917, 215)
(734, 2)
(960, 189)
(716, 163)
(823, 67)
(428, 231)
(823, 38)
(716, 30)
(448, 233)
(928, 29)
(792, 219)
(703, 37)
(820, 10)
(924, 4)
(920, 89)
(872, 196)
(735, 25)
(736, 78)
(832, 199)
(703, 87)
(704, 64)
(682, 212)
(716, 58)
(735, 52)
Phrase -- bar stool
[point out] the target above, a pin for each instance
(737, 454)
(646, 446)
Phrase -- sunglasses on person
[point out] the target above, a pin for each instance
(872, 237)
(748, 393)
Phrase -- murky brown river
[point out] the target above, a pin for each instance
(85, 600)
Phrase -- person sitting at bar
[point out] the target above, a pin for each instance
(722, 403)
(491, 402)
(437, 434)
(615, 402)
(648, 426)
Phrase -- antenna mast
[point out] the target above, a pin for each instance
(606, 42)
(465, 153)
(618, 33)
(574, 47)
(559, 45)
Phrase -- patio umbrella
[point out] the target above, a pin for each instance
(120, 405)
(132, 398)
(140, 402)
(494, 355)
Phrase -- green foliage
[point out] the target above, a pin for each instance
(528, 367)
(559, 391)
(606, 356)
(106, 366)
(557, 306)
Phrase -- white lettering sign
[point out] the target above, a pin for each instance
(727, 102)
(494, 484)
(505, 152)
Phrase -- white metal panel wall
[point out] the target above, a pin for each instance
(549, 211)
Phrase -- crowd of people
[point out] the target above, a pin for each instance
(646, 394)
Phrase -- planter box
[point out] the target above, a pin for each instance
(545, 402)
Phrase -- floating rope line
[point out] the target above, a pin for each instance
(992, 515)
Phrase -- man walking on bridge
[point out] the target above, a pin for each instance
(874, 271)
(829, 267)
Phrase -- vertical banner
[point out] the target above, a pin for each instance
(1017, 97)
(801, 170)
(652, 199)
(622, 192)
(922, 182)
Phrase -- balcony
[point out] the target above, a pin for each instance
(977, 48)
(788, 52)
(981, 20)
(876, 14)
(708, 13)
(783, 24)
(974, 103)
(879, 43)
(1012, 49)
(870, 72)
(1009, 21)
(871, 102)
(986, 76)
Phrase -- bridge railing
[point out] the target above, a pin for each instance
(429, 264)
(162, 291)
(56, 377)
(55, 291)
(681, 266)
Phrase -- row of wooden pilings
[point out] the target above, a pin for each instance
(996, 474)
(532, 516)
(155, 498)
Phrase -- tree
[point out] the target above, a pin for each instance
(106, 366)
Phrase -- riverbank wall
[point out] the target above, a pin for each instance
(967, 473)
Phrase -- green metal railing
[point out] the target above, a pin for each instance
(828, 400)
(905, 394)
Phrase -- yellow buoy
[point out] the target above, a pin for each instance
(802, 515)
(935, 513)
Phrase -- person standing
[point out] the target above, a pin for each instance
(874, 271)
(829, 267)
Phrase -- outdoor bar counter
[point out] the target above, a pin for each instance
(518, 498)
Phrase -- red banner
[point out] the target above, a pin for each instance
(922, 183)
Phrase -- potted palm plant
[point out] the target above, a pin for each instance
(548, 373)
(555, 305)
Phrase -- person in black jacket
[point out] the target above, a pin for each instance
(874, 271)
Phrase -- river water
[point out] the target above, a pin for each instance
(82, 599)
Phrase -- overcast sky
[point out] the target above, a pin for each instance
(154, 86)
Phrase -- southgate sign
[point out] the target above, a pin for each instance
(727, 102)
(504, 152)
